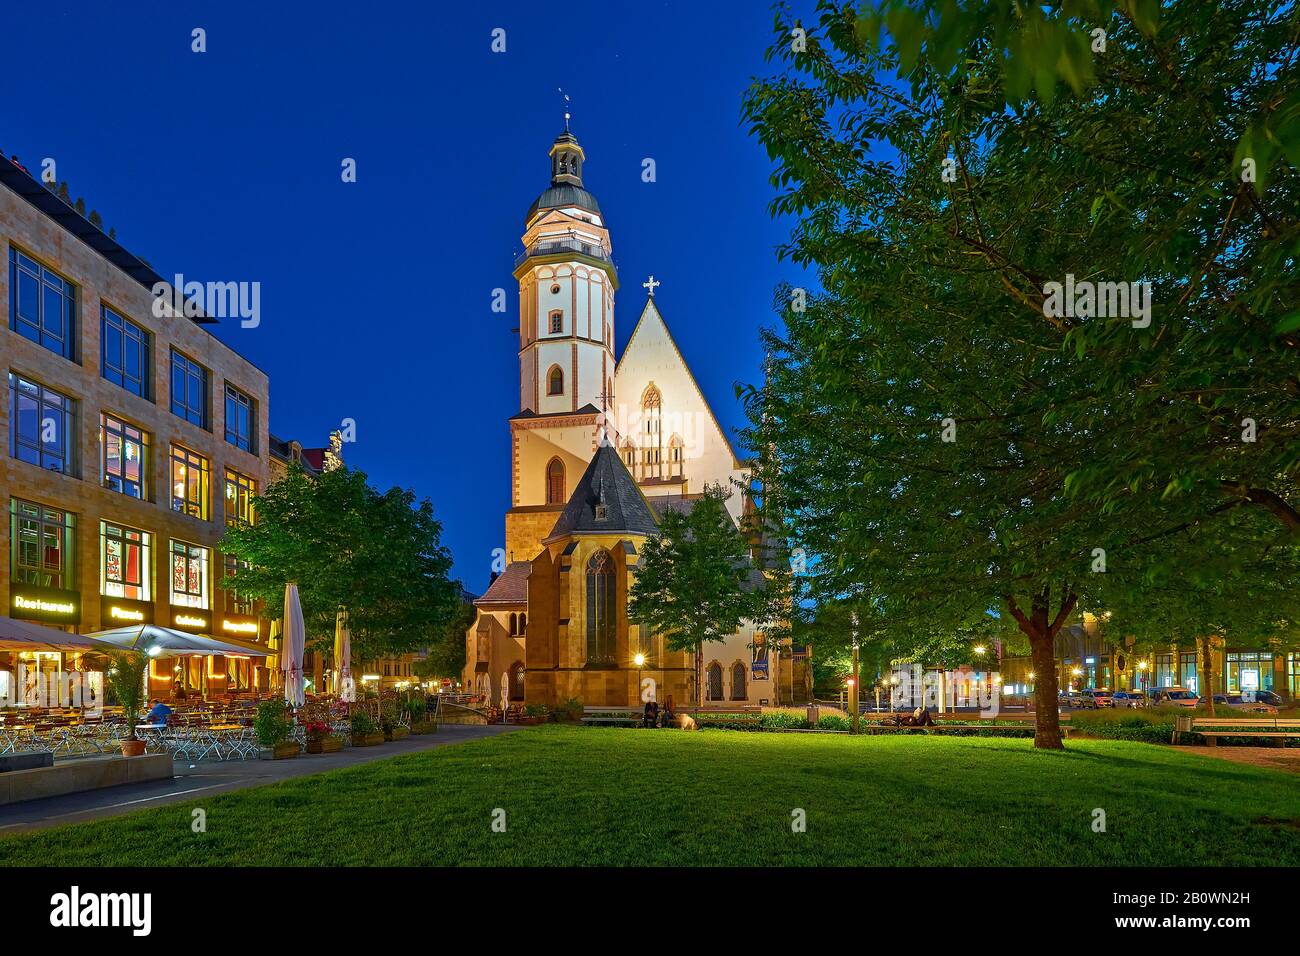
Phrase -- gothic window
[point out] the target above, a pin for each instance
(629, 455)
(651, 408)
(738, 681)
(601, 608)
(557, 322)
(555, 482)
(514, 623)
(555, 381)
(523, 624)
(517, 680)
(675, 456)
(713, 681)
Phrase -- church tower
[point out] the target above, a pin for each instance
(567, 283)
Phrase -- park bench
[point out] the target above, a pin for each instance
(1212, 728)
(981, 726)
(619, 716)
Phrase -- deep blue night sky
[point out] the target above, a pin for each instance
(376, 295)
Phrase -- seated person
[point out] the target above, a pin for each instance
(921, 718)
(667, 714)
(651, 718)
(158, 713)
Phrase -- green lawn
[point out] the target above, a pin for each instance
(576, 795)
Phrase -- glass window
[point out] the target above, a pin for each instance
(40, 425)
(41, 545)
(601, 608)
(555, 381)
(126, 570)
(124, 457)
(189, 580)
(124, 352)
(241, 420)
(42, 305)
(191, 476)
(239, 494)
(1250, 671)
(557, 322)
(189, 390)
(234, 601)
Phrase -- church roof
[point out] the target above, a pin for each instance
(606, 482)
(563, 194)
(510, 586)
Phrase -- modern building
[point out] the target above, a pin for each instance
(602, 445)
(135, 437)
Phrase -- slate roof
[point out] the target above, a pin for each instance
(510, 587)
(606, 482)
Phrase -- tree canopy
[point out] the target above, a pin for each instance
(346, 544)
(934, 430)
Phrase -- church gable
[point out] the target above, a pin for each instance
(665, 427)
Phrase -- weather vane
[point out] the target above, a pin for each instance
(560, 89)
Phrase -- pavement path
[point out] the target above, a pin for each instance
(214, 777)
(1274, 758)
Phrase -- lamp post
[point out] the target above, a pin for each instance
(853, 680)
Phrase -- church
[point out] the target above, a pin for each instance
(601, 448)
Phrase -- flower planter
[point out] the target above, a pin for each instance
(424, 727)
(529, 721)
(282, 751)
(133, 748)
(367, 740)
(397, 733)
(325, 745)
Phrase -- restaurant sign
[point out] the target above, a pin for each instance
(240, 625)
(29, 602)
(123, 612)
(191, 619)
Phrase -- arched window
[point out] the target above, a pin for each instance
(517, 680)
(629, 455)
(514, 623)
(713, 681)
(602, 609)
(555, 482)
(523, 624)
(651, 409)
(737, 681)
(555, 381)
(675, 456)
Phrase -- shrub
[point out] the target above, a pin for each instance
(834, 722)
(782, 720)
(273, 722)
(361, 724)
(534, 710)
(415, 707)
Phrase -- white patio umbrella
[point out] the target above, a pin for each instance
(505, 691)
(344, 686)
(295, 640)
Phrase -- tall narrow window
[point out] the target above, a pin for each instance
(738, 681)
(241, 420)
(41, 545)
(41, 426)
(189, 389)
(124, 352)
(191, 478)
(713, 681)
(557, 322)
(126, 569)
(675, 456)
(124, 457)
(601, 608)
(42, 305)
(189, 583)
(651, 408)
(555, 482)
(555, 381)
(239, 494)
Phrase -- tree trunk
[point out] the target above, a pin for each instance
(1041, 631)
(1206, 680)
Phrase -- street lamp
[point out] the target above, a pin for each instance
(639, 660)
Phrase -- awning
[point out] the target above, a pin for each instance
(18, 635)
(173, 643)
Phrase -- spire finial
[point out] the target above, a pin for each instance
(651, 284)
(560, 89)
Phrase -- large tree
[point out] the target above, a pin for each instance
(943, 439)
(348, 545)
(697, 582)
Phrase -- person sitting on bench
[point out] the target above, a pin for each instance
(921, 718)
(666, 716)
(651, 714)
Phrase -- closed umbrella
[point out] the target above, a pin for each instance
(273, 642)
(505, 691)
(343, 684)
(294, 642)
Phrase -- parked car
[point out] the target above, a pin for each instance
(1265, 697)
(1075, 698)
(1175, 697)
(1097, 697)
(1238, 702)
(1128, 698)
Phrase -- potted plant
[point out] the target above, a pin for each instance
(126, 680)
(364, 731)
(533, 714)
(320, 738)
(417, 711)
(273, 726)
